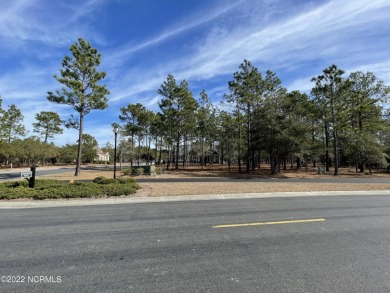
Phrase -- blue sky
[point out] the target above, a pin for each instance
(141, 42)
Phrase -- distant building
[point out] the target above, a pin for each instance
(193, 154)
(210, 157)
(102, 156)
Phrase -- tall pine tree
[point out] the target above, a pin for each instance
(80, 77)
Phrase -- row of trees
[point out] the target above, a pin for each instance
(184, 126)
(46, 126)
(342, 121)
(32, 150)
(344, 114)
(82, 91)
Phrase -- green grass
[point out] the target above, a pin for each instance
(45, 188)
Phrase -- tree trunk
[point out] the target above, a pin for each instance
(185, 151)
(253, 160)
(327, 163)
(9, 135)
(248, 151)
(273, 165)
(202, 154)
(177, 152)
(46, 134)
(169, 156)
(132, 150)
(222, 154)
(335, 142)
(121, 156)
(160, 152)
(336, 155)
(148, 152)
(78, 160)
(155, 152)
(239, 149)
(139, 151)
(229, 157)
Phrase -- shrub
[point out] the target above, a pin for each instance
(159, 170)
(127, 171)
(99, 179)
(100, 186)
(126, 181)
(139, 171)
(104, 180)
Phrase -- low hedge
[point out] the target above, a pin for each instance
(140, 170)
(46, 188)
(104, 180)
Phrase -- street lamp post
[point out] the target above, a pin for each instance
(116, 133)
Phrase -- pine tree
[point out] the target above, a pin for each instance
(12, 123)
(48, 124)
(81, 90)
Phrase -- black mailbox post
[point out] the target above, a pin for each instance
(31, 181)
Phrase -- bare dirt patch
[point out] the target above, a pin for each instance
(174, 189)
(264, 172)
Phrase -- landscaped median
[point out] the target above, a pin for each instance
(48, 188)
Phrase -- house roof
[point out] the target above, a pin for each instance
(100, 152)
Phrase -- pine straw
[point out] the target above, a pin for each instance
(200, 188)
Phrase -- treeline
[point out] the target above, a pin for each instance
(343, 121)
(15, 151)
(33, 151)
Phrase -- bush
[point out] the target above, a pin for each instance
(100, 187)
(128, 171)
(139, 171)
(159, 170)
(127, 181)
(104, 180)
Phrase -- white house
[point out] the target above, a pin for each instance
(102, 156)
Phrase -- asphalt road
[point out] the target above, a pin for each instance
(45, 171)
(15, 175)
(323, 244)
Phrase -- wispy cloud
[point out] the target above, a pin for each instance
(181, 28)
(325, 32)
(309, 35)
(81, 9)
(24, 20)
(296, 39)
(12, 20)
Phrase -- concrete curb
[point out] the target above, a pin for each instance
(26, 204)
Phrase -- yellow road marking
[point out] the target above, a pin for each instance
(270, 223)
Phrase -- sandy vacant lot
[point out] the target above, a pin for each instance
(172, 189)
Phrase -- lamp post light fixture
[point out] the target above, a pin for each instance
(116, 133)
